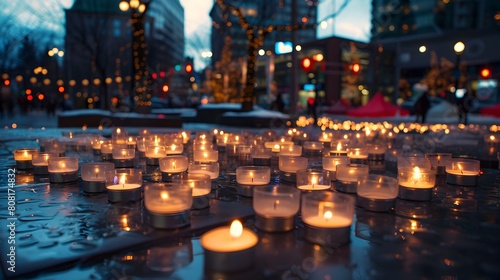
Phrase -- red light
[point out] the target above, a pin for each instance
(165, 88)
(28, 92)
(30, 97)
(189, 68)
(485, 73)
(306, 64)
(356, 68)
(61, 89)
(162, 74)
(6, 82)
(154, 76)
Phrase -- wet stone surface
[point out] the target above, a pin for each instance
(64, 233)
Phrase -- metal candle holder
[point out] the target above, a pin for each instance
(274, 224)
(24, 164)
(41, 170)
(115, 196)
(94, 186)
(153, 161)
(416, 194)
(124, 163)
(245, 190)
(461, 180)
(169, 221)
(230, 261)
(376, 205)
(63, 177)
(167, 176)
(346, 186)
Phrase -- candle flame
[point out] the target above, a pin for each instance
(492, 137)
(174, 166)
(25, 153)
(339, 146)
(439, 158)
(96, 171)
(327, 215)
(205, 154)
(173, 147)
(276, 147)
(460, 168)
(118, 130)
(417, 175)
(314, 181)
(164, 195)
(357, 152)
(123, 179)
(236, 229)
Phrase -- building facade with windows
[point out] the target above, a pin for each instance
(98, 56)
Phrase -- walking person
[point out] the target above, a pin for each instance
(422, 106)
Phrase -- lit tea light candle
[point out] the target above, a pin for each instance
(377, 192)
(94, 175)
(462, 172)
(330, 164)
(416, 183)
(154, 153)
(313, 180)
(41, 163)
(291, 150)
(275, 208)
(326, 138)
(123, 157)
(201, 185)
(174, 149)
(376, 151)
(339, 149)
(248, 177)
(438, 162)
(348, 175)
(124, 185)
(131, 142)
(107, 150)
(327, 217)
(412, 161)
(229, 248)
(172, 165)
(23, 158)
(261, 156)
(491, 139)
(96, 145)
(288, 167)
(63, 169)
(206, 155)
(208, 168)
(168, 206)
(55, 147)
(119, 133)
(357, 154)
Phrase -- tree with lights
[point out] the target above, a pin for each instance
(256, 34)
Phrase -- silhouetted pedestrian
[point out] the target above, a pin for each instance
(422, 106)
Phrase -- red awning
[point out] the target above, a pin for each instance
(377, 107)
(491, 111)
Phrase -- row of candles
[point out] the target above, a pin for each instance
(327, 215)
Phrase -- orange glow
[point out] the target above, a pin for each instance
(41, 97)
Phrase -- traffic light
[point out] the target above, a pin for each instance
(355, 68)
(306, 64)
(165, 88)
(189, 68)
(485, 73)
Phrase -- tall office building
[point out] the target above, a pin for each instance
(98, 48)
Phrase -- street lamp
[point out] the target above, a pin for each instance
(459, 48)
(139, 86)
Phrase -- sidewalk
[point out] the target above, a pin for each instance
(39, 119)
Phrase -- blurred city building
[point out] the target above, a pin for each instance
(413, 38)
(99, 56)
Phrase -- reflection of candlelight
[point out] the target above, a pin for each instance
(276, 203)
(339, 146)
(417, 175)
(460, 168)
(164, 196)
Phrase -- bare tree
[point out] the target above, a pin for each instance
(256, 33)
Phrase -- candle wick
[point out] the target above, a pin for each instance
(461, 171)
(252, 180)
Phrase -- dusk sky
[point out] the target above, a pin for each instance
(352, 23)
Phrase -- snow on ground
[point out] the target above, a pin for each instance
(85, 112)
(260, 113)
(183, 112)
